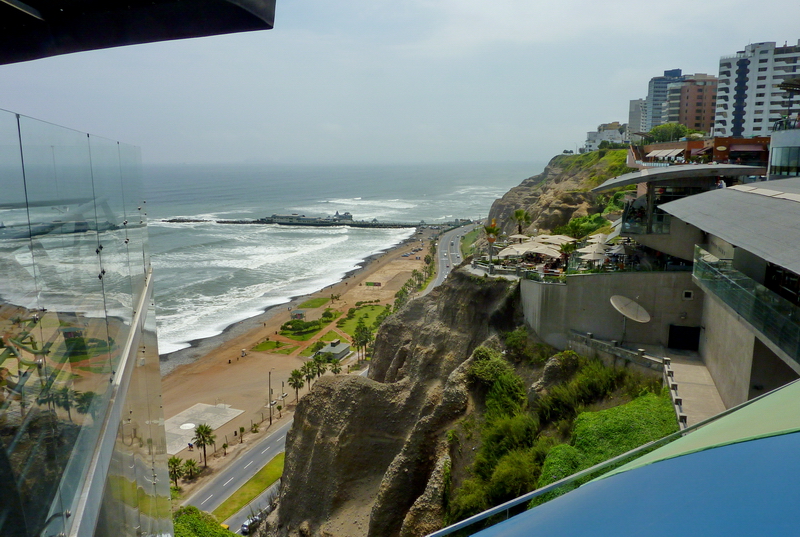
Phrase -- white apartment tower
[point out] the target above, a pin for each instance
(749, 101)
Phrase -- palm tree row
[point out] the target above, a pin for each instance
(179, 468)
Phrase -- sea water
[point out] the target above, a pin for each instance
(208, 276)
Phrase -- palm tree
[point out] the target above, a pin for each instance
(176, 469)
(83, 403)
(336, 366)
(320, 364)
(309, 371)
(204, 436)
(190, 468)
(492, 231)
(521, 217)
(296, 382)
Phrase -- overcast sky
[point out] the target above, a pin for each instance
(379, 81)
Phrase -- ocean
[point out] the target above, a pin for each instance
(208, 276)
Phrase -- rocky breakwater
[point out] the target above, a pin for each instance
(368, 456)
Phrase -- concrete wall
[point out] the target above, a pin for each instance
(679, 242)
(582, 304)
(769, 371)
(544, 306)
(726, 346)
(719, 247)
(749, 264)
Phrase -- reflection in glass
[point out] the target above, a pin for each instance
(73, 270)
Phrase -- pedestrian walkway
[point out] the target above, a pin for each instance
(696, 388)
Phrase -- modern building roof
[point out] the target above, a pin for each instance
(732, 477)
(33, 29)
(668, 173)
(763, 218)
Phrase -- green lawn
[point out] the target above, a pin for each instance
(278, 347)
(313, 303)
(467, 242)
(330, 336)
(371, 312)
(255, 486)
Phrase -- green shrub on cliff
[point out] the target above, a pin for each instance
(189, 521)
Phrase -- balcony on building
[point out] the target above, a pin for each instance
(771, 315)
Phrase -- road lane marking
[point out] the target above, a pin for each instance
(204, 501)
(246, 465)
(265, 451)
(226, 483)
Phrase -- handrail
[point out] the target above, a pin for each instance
(600, 466)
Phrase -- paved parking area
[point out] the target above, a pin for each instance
(180, 427)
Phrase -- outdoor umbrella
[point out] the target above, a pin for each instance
(558, 239)
(510, 251)
(544, 249)
(517, 236)
(621, 249)
(600, 238)
(593, 257)
(593, 249)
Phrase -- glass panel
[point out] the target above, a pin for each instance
(774, 316)
(134, 208)
(113, 255)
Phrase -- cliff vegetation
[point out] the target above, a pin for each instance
(562, 191)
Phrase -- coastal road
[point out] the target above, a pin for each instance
(448, 254)
(211, 495)
(231, 478)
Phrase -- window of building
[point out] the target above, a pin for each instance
(759, 94)
(762, 78)
(756, 128)
(763, 60)
(759, 103)
(758, 120)
(761, 86)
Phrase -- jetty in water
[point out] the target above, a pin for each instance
(345, 219)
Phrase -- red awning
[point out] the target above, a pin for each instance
(701, 150)
(747, 147)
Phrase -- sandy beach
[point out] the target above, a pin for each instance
(220, 375)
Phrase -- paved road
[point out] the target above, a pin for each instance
(230, 479)
(210, 496)
(448, 255)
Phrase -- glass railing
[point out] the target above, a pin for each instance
(73, 261)
(634, 222)
(772, 315)
(786, 124)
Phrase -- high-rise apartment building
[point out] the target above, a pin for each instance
(82, 442)
(692, 102)
(637, 114)
(657, 95)
(749, 100)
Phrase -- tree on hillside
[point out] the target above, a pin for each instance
(361, 338)
(669, 132)
(296, 381)
(176, 469)
(335, 366)
(204, 436)
(522, 218)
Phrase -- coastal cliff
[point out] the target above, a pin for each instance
(561, 192)
(368, 456)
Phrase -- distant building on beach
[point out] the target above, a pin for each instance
(337, 348)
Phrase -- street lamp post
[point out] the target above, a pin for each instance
(269, 396)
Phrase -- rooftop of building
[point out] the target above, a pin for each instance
(36, 29)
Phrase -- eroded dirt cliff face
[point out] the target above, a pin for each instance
(561, 192)
(367, 456)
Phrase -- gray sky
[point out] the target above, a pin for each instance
(379, 81)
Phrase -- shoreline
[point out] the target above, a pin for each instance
(201, 347)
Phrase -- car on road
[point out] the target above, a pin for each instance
(249, 524)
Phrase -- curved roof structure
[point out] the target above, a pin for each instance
(667, 173)
(33, 29)
(763, 218)
(735, 476)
